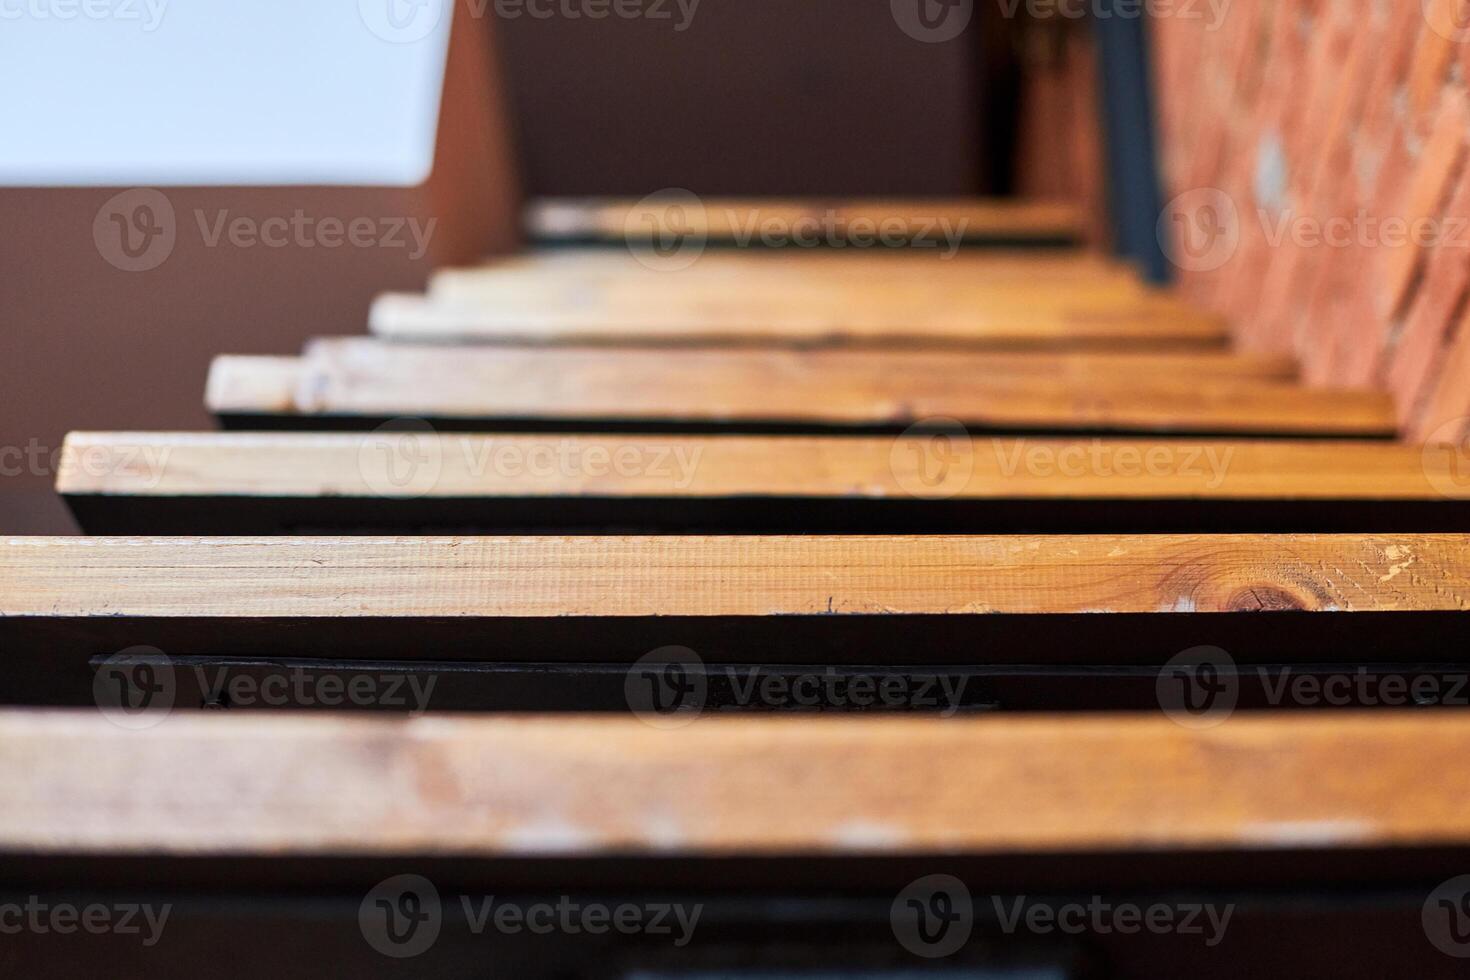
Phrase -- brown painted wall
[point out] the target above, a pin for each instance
(89, 346)
(783, 97)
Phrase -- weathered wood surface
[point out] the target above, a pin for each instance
(215, 464)
(810, 315)
(356, 377)
(613, 577)
(292, 785)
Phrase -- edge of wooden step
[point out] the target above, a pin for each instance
(567, 786)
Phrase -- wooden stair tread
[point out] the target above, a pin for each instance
(577, 787)
(733, 319)
(231, 464)
(613, 219)
(1070, 267)
(355, 377)
(731, 576)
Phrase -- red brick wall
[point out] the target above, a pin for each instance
(1316, 154)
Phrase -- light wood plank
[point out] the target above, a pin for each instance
(811, 315)
(254, 382)
(617, 219)
(355, 377)
(285, 464)
(530, 577)
(568, 786)
(796, 279)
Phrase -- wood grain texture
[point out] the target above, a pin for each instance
(618, 219)
(287, 464)
(351, 376)
(731, 576)
(810, 315)
(567, 786)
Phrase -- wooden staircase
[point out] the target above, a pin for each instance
(1121, 610)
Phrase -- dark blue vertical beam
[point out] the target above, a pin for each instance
(1134, 197)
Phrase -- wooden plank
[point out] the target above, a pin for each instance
(614, 577)
(867, 295)
(252, 382)
(994, 277)
(726, 219)
(978, 265)
(557, 623)
(313, 464)
(570, 787)
(813, 390)
(811, 315)
(278, 482)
